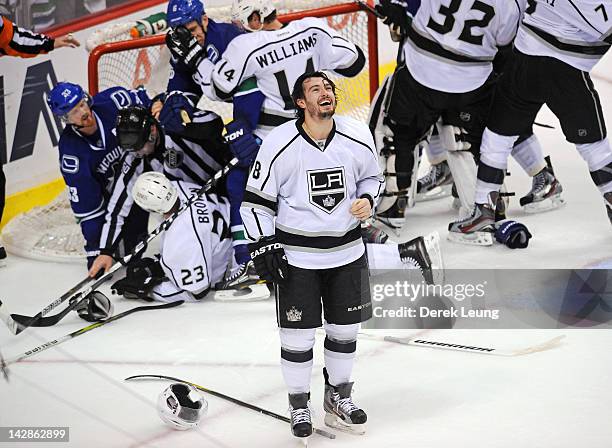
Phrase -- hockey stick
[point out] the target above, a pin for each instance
(88, 328)
(368, 8)
(3, 367)
(418, 342)
(321, 432)
(15, 322)
(17, 328)
(48, 321)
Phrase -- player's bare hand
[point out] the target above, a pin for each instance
(66, 41)
(361, 209)
(156, 108)
(102, 262)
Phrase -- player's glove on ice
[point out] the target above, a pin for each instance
(243, 144)
(513, 234)
(269, 259)
(395, 12)
(184, 46)
(141, 277)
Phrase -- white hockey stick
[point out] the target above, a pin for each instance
(416, 341)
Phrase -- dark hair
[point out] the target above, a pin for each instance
(271, 17)
(298, 89)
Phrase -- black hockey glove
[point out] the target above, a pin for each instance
(513, 234)
(140, 278)
(243, 144)
(184, 46)
(396, 15)
(269, 259)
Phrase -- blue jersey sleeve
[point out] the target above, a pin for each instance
(119, 98)
(181, 78)
(248, 107)
(412, 6)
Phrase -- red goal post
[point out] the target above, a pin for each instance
(134, 62)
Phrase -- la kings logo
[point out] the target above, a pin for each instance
(326, 188)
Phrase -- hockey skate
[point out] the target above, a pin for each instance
(393, 217)
(373, 235)
(608, 199)
(545, 192)
(436, 183)
(2, 256)
(477, 229)
(424, 253)
(340, 411)
(242, 285)
(299, 410)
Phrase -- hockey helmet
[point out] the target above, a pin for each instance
(153, 192)
(243, 9)
(133, 127)
(181, 12)
(96, 308)
(181, 406)
(64, 97)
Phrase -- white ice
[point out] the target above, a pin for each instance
(417, 397)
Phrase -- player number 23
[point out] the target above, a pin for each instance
(190, 276)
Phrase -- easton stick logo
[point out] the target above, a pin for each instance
(327, 188)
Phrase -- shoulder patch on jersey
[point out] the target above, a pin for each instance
(326, 188)
(70, 164)
(174, 158)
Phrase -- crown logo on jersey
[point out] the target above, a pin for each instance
(329, 202)
(294, 315)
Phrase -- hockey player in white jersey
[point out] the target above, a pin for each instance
(195, 250)
(449, 54)
(275, 58)
(557, 44)
(186, 146)
(314, 180)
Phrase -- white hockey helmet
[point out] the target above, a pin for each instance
(153, 192)
(181, 406)
(242, 10)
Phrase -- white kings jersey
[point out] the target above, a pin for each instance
(276, 59)
(452, 43)
(577, 32)
(309, 189)
(196, 249)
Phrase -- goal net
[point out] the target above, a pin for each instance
(116, 59)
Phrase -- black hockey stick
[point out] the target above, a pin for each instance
(49, 321)
(88, 328)
(17, 328)
(15, 322)
(321, 432)
(368, 8)
(3, 368)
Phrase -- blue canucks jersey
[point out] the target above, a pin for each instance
(89, 163)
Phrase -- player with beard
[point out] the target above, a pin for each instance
(90, 157)
(313, 181)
